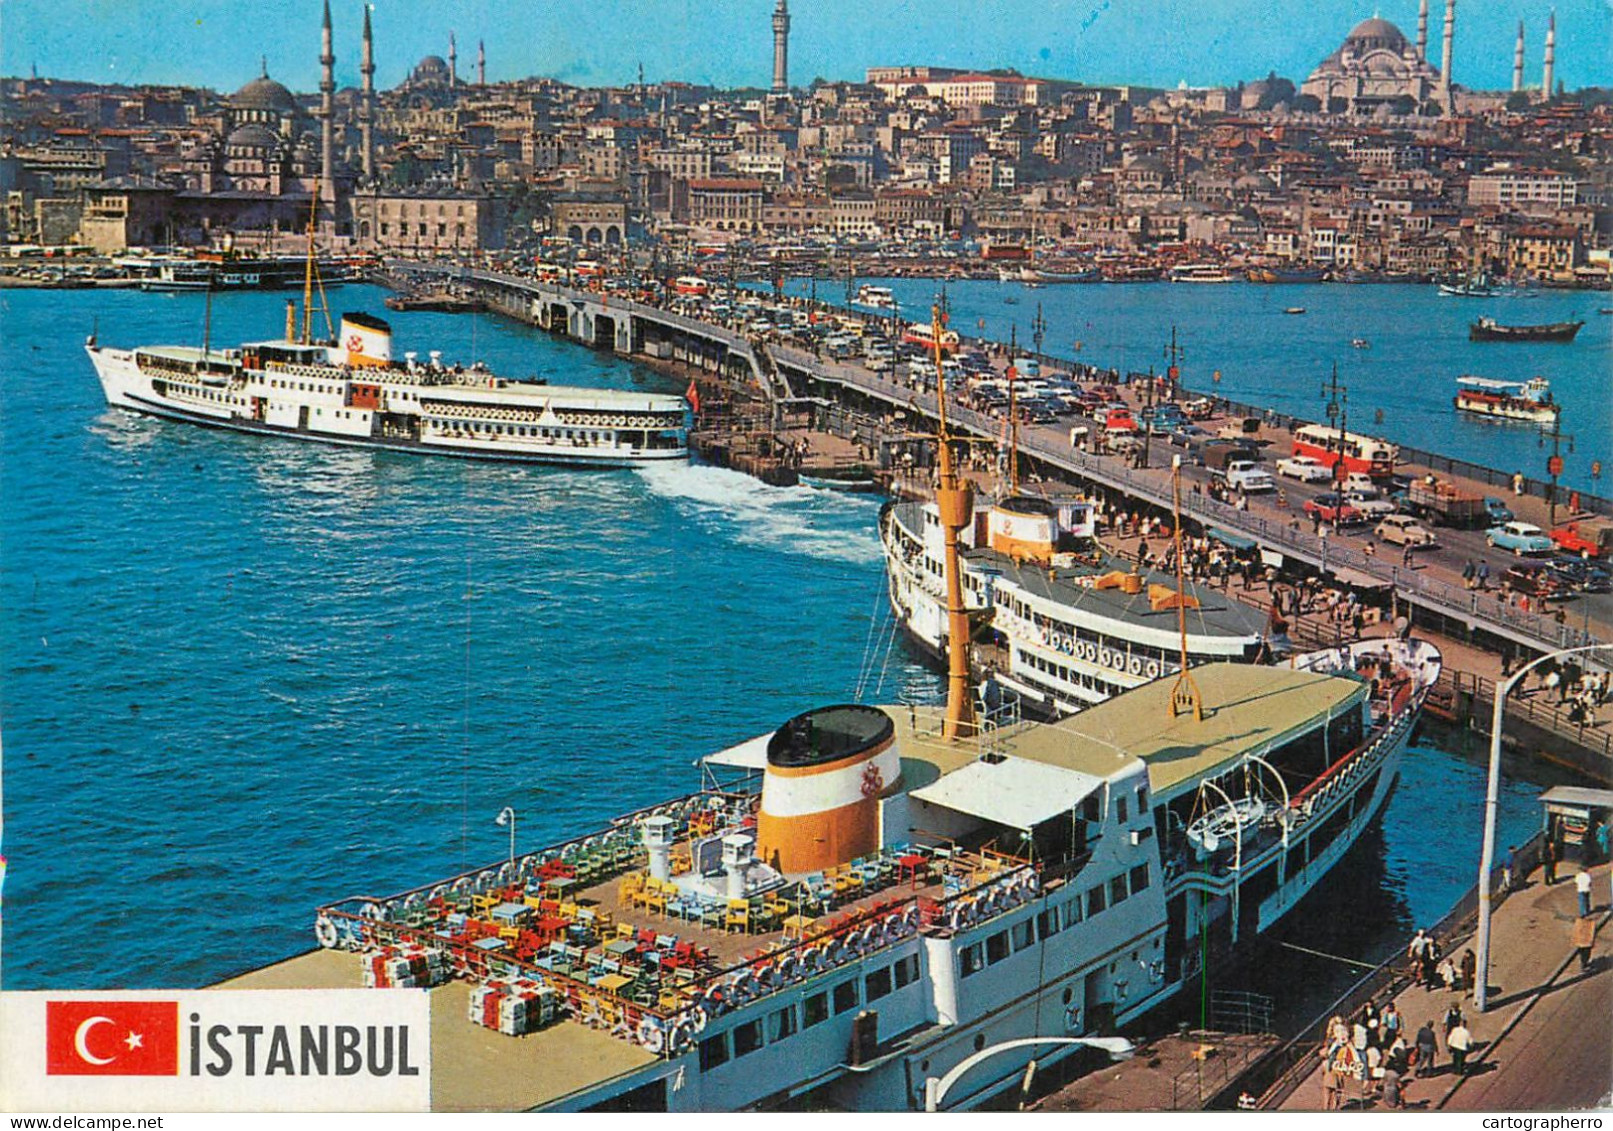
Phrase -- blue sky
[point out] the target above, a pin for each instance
(728, 42)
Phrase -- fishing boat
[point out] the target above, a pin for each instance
(893, 908)
(1529, 400)
(1489, 330)
(1294, 310)
(1476, 287)
(348, 389)
(1131, 273)
(1360, 344)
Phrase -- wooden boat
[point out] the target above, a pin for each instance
(1489, 330)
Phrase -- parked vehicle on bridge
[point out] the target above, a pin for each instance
(1189, 436)
(1498, 511)
(1304, 468)
(1576, 573)
(1584, 539)
(1360, 483)
(1534, 578)
(1404, 530)
(1118, 421)
(1219, 453)
(1519, 537)
(1371, 506)
(1445, 505)
(1246, 476)
(1332, 508)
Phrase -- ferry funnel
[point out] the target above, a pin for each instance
(826, 772)
(367, 341)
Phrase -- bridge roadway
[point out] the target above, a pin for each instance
(631, 328)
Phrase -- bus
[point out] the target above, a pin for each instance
(1358, 453)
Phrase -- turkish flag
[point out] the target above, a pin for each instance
(693, 396)
(111, 1038)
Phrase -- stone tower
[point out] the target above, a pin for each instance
(453, 62)
(481, 63)
(327, 117)
(781, 48)
(1546, 89)
(1517, 62)
(1422, 31)
(366, 105)
(1447, 98)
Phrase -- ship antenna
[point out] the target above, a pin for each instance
(956, 504)
(1185, 694)
(207, 322)
(1013, 412)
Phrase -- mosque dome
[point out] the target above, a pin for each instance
(263, 93)
(430, 71)
(1375, 35)
(252, 135)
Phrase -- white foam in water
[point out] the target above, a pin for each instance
(797, 520)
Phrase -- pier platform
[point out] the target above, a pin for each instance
(1544, 1044)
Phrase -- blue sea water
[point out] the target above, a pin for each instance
(1418, 347)
(243, 676)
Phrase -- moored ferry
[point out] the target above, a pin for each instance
(352, 391)
(1200, 273)
(1528, 401)
(875, 298)
(1074, 627)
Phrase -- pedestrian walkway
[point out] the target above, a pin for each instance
(1544, 1043)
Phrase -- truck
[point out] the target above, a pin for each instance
(1444, 505)
(1244, 475)
(1584, 539)
(1218, 453)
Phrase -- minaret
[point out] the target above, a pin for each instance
(453, 62)
(1517, 62)
(481, 63)
(1446, 96)
(1546, 89)
(1422, 31)
(366, 105)
(327, 114)
(781, 48)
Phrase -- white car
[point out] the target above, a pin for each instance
(1304, 468)
(1403, 530)
(1360, 483)
(1369, 505)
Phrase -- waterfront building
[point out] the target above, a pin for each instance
(590, 218)
(426, 221)
(1522, 189)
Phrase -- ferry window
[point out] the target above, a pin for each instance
(997, 947)
(1120, 810)
(747, 1038)
(1142, 800)
(1048, 922)
(1095, 901)
(1139, 878)
(1117, 891)
(1024, 934)
(845, 996)
(971, 960)
(713, 1051)
(879, 983)
(781, 1024)
(907, 970)
(1072, 912)
(814, 1010)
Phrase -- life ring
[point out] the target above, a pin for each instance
(1154, 669)
(911, 919)
(651, 1035)
(788, 967)
(485, 880)
(893, 929)
(1106, 658)
(699, 1018)
(714, 1001)
(764, 973)
(1068, 645)
(439, 893)
(834, 952)
(1089, 651)
(679, 1037)
(962, 915)
(371, 911)
(812, 958)
(325, 932)
(1042, 634)
(1135, 665)
(506, 874)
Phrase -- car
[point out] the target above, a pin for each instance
(1118, 420)
(1189, 436)
(1587, 541)
(1370, 505)
(1519, 537)
(1576, 573)
(1498, 511)
(1304, 468)
(1534, 578)
(1332, 508)
(1403, 530)
(1360, 483)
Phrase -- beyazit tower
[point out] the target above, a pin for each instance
(781, 48)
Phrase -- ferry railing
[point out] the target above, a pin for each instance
(1193, 1087)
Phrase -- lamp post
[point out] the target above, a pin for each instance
(1481, 992)
(935, 1089)
(506, 816)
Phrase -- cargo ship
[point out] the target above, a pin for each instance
(1489, 330)
(1528, 401)
(892, 908)
(350, 390)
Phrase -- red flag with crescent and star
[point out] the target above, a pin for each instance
(112, 1038)
(693, 396)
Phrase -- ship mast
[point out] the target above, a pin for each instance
(1013, 413)
(1185, 694)
(956, 503)
(311, 278)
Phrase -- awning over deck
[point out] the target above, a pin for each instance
(1015, 793)
(748, 755)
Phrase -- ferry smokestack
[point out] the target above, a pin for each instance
(366, 340)
(826, 772)
(291, 320)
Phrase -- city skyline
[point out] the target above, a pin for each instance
(1208, 43)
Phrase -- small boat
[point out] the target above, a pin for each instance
(1200, 273)
(1293, 310)
(855, 478)
(1528, 401)
(875, 298)
(1360, 343)
(1476, 287)
(1489, 330)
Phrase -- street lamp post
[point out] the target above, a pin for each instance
(506, 816)
(1481, 992)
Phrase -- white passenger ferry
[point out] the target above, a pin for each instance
(352, 391)
(1075, 628)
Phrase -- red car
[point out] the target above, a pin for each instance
(1331, 508)
(1591, 542)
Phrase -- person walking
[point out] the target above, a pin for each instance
(1509, 868)
(1484, 574)
(1460, 1042)
(1582, 887)
(1584, 939)
(1470, 969)
(1549, 861)
(1427, 1049)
